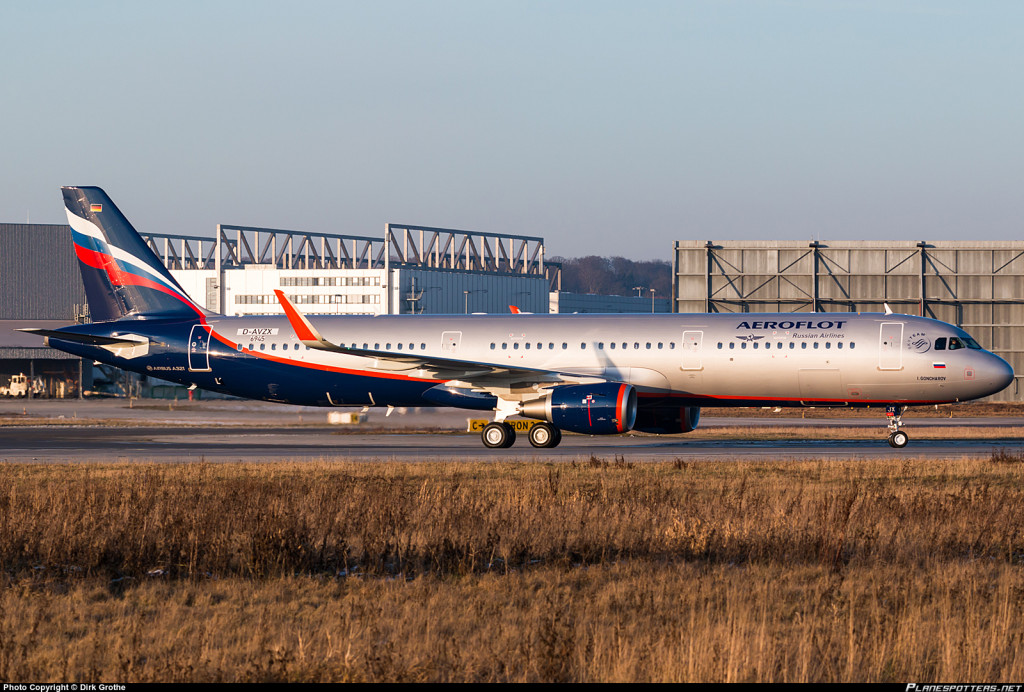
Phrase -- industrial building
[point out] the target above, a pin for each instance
(40, 286)
(411, 270)
(978, 286)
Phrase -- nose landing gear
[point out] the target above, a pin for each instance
(897, 438)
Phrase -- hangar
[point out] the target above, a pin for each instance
(976, 285)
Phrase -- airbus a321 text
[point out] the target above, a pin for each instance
(592, 374)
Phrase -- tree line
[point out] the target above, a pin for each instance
(615, 276)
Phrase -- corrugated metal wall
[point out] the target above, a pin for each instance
(978, 286)
(39, 277)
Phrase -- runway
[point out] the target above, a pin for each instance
(114, 430)
(78, 444)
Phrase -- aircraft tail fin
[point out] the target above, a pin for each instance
(121, 274)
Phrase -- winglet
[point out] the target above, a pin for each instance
(304, 329)
(888, 310)
(514, 309)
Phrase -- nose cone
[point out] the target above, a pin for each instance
(997, 373)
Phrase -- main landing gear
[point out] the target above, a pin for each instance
(503, 435)
(498, 435)
(897, 438)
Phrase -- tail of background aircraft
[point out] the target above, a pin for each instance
(122, 276)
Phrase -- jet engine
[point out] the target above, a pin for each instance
(596, 409)
(667, 420)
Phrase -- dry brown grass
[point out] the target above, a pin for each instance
(594, 570)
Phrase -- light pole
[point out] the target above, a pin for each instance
(653, 291)
(639, 290)
(466, 294)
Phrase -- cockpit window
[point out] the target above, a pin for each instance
(971, 343)
(940, 344)
(955, 343)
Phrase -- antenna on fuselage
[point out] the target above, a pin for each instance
(888, 310)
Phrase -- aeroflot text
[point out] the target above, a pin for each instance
(824, 324)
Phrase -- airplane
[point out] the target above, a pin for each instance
(586, 373)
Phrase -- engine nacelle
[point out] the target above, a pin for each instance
(667, 420)
(595, 409)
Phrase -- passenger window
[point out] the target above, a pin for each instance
(398, 346)
(527, 346)
(273, 347)
(743, 345)
(792, 345)
(636, 346)
(625, 345)
(815, 344)
(828, 344)
(803, 344)
(719, 345)
(852, 344)
(940, 344)
(612, 345)
(755, 345)
(492, 345)
(732, 344)
(387, 347)
(649, 346)
(239, 347)
(583, 346)
(659, 345)
(839, 345)
(515, 346)
(600, 345)
(564, 345)
(504, 346)
(263, 347)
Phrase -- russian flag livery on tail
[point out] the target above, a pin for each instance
(121, 274)
(588, 374)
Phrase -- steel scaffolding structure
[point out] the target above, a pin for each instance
(978, 286)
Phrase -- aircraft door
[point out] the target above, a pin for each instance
(199, 349)
(450, 342)
(890, 346)
(691, 356)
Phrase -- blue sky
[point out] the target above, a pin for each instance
(609, 128)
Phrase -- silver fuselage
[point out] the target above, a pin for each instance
(722, 359)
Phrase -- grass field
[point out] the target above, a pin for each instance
(602, 570)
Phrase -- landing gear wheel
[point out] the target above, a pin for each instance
(898, 439)
(498, 435)
(545, 435)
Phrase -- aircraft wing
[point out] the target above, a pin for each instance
(487, 377)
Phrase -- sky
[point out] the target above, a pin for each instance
(609, 128)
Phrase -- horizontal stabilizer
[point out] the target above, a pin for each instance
(90, 339)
